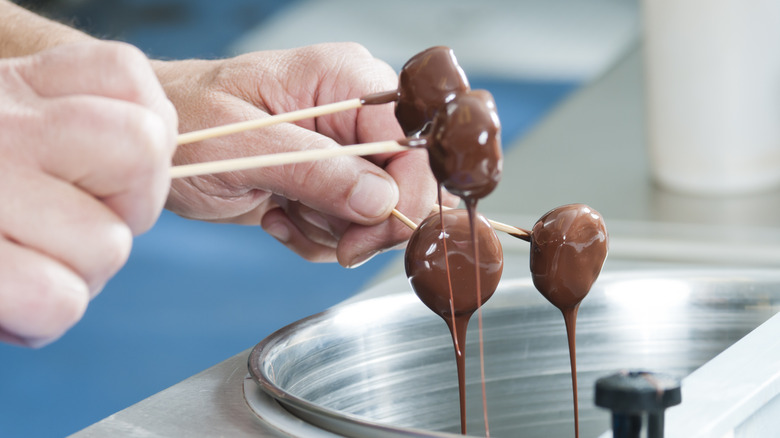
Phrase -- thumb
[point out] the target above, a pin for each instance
(350, 188)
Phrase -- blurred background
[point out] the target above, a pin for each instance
(194, 294)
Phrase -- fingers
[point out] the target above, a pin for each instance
(276, 223)
(320, 228)
(327, 73)
(39, 298)
(418, 195)
(310, 207)
(86, 140)
(350, 188)
(69, 226)
(117, 151)
(356, 68)
(108, 69)
(113, 142)
(356, 72)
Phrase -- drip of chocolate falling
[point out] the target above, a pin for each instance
(464, 150)
(430, 268)
(568, 247)
(427, 81)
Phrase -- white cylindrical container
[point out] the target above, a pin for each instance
(712, 71)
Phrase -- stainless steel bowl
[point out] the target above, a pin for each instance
(385, 366)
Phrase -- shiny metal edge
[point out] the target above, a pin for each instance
(359, 426)
(276, 416)
(337, 422)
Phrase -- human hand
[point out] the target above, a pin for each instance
(86, 136)
(334, 209)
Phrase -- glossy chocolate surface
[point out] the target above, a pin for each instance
(568, 248)
(427, 81)
(464, 146)
(427, 271)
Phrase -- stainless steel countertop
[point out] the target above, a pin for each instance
(590, 150)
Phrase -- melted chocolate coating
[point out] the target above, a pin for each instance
(426, 269)
(568, 248)
(464, 146)
(427, 81)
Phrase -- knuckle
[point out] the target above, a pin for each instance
(302, 174)
(111, 253)
(351, 50)
(170, 116)
(130, 69)
(149, 151)
(53, 303)
(329, 53)
(128, 58)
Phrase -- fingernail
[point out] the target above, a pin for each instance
(279, 231)
(359, 260)
(373, 196)
(317, 220)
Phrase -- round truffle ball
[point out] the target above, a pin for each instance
(464, 147)
(427, 81)
(426, 262)
(568, 247)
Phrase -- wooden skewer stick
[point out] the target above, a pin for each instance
(499, 226)
(402, 217)
(292, 116)
(233, 128)
(509, 229)
(283, 158)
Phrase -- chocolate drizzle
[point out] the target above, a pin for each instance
(464, 150)
(460, 129)
(568, 247)
(441, 252)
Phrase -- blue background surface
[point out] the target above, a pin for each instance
(192, 294)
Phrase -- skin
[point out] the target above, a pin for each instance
(334, 210)
(71, 205)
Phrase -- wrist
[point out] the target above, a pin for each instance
(24, 33)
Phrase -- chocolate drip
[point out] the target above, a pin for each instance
(426, 82)
(568, 247)
(464, 150)
(438, 255)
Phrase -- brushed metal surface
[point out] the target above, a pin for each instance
(385, 366)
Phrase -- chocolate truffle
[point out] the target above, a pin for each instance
(427, 270)
(568, 248)
(464, 146)
(427, 81)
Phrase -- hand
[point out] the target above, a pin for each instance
(334, 209)
(86, 136)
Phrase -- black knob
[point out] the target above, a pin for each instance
(637, 400)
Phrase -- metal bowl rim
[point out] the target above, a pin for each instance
(289, 400)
